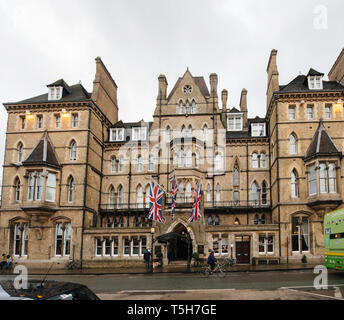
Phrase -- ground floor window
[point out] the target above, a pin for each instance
(63, 237)
(220, 245)
(266, 244)
(107, 247)
(134, 246)
(300, 234)
(21, 239)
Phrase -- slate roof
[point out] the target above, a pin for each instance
(199, 82)
(300, 84)
(43, 153)
(60, 83)
(128, 128)
(313, 72)
(77, 93)
(322, 144)
(234, 110)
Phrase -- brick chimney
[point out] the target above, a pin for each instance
(273, 76)
(243, 107)
(162, 94)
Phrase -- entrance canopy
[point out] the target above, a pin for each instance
(169, 237)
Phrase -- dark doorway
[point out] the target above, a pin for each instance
(242, 248)
(177, 249)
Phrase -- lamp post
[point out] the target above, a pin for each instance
(189, 250)
(232, 245)
(152, 253)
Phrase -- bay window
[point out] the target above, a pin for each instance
(51, 187)
(312, 180)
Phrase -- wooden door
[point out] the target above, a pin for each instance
(243, 252)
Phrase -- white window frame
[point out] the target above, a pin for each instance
(237, 121)
(265, 244)
(310, 112)
(328, 112)
(315, 83)
(313, 181)
(258, 129)
(55, 93)
(139, 133)
(53, 188)
(117, 134)
(292, 112)
(75, 120)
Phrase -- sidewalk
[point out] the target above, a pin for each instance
(168, 269)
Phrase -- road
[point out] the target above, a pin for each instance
(183, 285)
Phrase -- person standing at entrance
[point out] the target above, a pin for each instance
(211, 260)
(147, 256)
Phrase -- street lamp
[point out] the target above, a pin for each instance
(152, 253)
(232, 245)
(189, 250)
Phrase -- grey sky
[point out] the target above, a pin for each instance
(44, 40)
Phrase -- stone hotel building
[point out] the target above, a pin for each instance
(76, 177)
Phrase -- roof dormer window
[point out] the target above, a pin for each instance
(315, 80)
(258, 130)
(55, 93)
(117, 134)
(139, 133)
(234, 122)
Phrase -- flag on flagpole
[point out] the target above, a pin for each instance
(174, 195)
(196, 208)
(155, 202)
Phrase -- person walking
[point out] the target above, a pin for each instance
(3, 261)
(8, 262)
(147, 257)
(211, 260)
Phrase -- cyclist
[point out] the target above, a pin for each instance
(211, 260)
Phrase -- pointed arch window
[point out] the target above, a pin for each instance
(151, 163)
(263, 220)
(21, 237)
(294, 184)
(205, 133)
(120, 164)
(73, 150)
(256, 219)
(255, 164)
(194, 107)
(120, 197)
(181, 158)
(189, 133)
(112, 198)
(292, 144)
(208, 193)
(197, 159)
(181, 192)
(236, 177)
(71, 190)
(217, 221)
(218, 162)
(17, 190)
(113, 164)
(139, 197)
(188, 191)
(255, 194)
(263, 160)
(139, 164)
(147, 196)
(181, 107)
(20, 152)
(218, 193)
(210, 221)
(168, 134)
(264, 193)
(187, 107)
(183, 132)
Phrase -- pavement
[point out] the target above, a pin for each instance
(167, 269)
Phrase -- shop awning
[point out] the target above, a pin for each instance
(169, 237)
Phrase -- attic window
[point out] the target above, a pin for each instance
(117, 134)
(139, 133)
(258, 129)
(235, 122)
(55, 93)
(315, 83)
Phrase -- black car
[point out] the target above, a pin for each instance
(48, 290)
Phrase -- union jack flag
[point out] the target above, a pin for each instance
(174, 195)
(196, 208)
(155, 202)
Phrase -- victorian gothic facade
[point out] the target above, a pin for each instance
(76, 179)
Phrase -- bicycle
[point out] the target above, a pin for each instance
(218, 271)
(228, 262)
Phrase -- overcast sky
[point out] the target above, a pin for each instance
(44, 40)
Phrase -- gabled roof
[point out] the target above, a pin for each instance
(60, 83)
(313, 72)
(322, 144)
(43, 153)
(77, 93)
(234, 110)
(200, 82)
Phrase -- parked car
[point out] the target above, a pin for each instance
(48, 290)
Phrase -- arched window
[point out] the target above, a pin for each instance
(189, 158)
(147, 196)
(237, 222)
(292, 144)
(17, 190)
(300, 235)
(217, 221)
(264, 193)
(120, 197)
(181, 158)
(197, 159)
(139, 197)
(263, 160)
(236, 177)
(189, 133)
(205, 133)
(71, 190)
(139, 164)
(112, 198)
(20, 152)
(255, 195)
(168, 134)
(263, 220)
(218, 162)
(113, 164)
(208, 193)
(218, 193)
(187, 107)
(120, 164)
(255, 161)
(194, 107)
(188, 191)
(73, 150)
(181, 111)
(210, 221)
(183, 132)
(256, 219)
(294, 188)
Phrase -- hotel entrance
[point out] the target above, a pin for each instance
(242, 249)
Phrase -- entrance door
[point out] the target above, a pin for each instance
(242, 250)
(178, 249)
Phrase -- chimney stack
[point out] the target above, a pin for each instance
(213, 84)
(162, 94)
(273, 76)
(243, 107)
